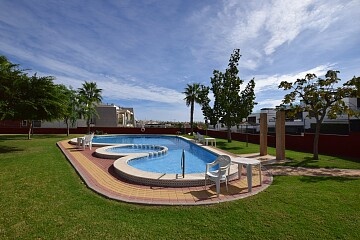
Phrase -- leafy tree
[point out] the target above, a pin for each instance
(354, 84)
(231, 104)
(10, 75)
(40, 99)
(28, 98)
(208, 113)
(320, 98)
(71, 102)
(193, 94)
(89, 96)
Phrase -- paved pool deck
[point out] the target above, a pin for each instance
(99, 175)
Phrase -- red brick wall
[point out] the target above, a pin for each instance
(336, 145)
(83, 130)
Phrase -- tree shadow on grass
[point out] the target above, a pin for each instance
(312, 163)
(12, 137)
(307, 162)
(312, 179)
(18, 137)
(224, 146)
(8, 149)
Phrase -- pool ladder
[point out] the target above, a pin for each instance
(183, 163)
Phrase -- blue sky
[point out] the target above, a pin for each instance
(143, 53)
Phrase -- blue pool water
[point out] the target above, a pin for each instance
(196, 157)
(128, 150)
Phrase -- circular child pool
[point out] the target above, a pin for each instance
(168, 161)
(137, 162)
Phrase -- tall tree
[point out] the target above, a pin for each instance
(71, 113)
(231, 104)
(354, 84)
(210, 118)
(320, 98)
(89, 96)
(193, 93)
(10, 76)
(28, 98)
(40, 99)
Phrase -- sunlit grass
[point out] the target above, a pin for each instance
(297, 159)
(42, 197)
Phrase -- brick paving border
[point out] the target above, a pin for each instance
(99, 175)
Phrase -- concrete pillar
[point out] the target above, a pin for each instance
(263, 134)
(280, 135)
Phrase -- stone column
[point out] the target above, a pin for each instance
(280, 135)
(263, 134)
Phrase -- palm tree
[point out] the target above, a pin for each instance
(89, 96)
(193, 95)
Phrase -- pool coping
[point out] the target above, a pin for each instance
(99, 180)
(133, 174)
(125, 170)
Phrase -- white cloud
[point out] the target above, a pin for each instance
(287, 19)
(116, 88)
(268, 103)
(267, 93)
(146, 51)
(138, 92)
(259, 28)
(267, 83)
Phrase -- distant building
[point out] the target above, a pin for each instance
(301, 122)
(114, 116)
(109, 116)
(126, 117)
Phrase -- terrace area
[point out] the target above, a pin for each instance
(99, 175)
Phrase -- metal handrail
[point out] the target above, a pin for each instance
(183, 163)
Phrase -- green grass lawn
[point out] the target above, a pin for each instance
(42, 197)
(297, 159)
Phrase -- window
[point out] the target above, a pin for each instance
(24, 123)
(37, 123)
(251, 119)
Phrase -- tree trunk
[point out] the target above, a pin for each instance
(229, 134)
(88, 126)
(192, 118)
(316, 141)
(67, 128)
(30, 128)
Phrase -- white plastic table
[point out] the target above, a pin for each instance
(240, 161)
(211, 140)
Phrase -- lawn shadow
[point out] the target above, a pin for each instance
(13, 137)
(8, 149)
(316, 179)
(223, 146)
(17, 137)
(307, 162)
(44, 136)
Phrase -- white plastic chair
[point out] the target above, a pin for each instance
(196, 136)
(87, 141)
(219, 175)
(200, 138)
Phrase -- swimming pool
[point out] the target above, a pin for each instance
(162, 161)
(127, 165)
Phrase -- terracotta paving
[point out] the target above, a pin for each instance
(99, 175)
